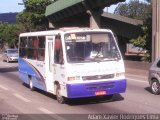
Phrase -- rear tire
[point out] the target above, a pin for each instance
(155, 87)
(60, 98)
(31, 84)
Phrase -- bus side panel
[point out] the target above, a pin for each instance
(26, 69)
(89, 89)
(23, 76)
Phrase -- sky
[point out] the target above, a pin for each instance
(7, 6)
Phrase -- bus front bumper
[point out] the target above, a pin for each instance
(92, 89)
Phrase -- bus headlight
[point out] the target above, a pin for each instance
(119, 74)
(73, 78)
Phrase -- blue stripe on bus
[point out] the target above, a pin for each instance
(89, 89)
(25, 69)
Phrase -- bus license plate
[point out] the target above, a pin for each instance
(99, 93)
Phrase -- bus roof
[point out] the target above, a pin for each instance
(63, 30)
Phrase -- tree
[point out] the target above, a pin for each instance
(9, 35)
(134, 9)
(33, 17)
(2, 42)
(142, 11)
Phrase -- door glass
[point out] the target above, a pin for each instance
(50, 46)
(58, 52)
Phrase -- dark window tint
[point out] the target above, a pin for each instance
(158, 64)
(35, 42)
(23, 42)
(23, 52)
(32, 53)
(41, 48)
(41, 54)
(31, 42)
(41, 42)
(32, 48)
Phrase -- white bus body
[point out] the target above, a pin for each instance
(72, 63)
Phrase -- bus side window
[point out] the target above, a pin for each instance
(23, 52)
(41, 48)
(23, 47)
(23, 42)
(58, 52)
(32, 48)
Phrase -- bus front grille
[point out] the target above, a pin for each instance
(98, 77)
(100, 86)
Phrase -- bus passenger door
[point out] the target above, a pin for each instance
(48, 63)
(58, 65)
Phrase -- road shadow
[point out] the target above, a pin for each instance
(94, 100)
(41, 91)
(8, 69)
(148, 89)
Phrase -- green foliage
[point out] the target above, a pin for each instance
(25, 19)
(142, 11)
(33, 17)
(36, 6)
(9, 34)
(134, 9)
(2, 27)
(141, 40)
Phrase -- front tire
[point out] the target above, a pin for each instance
(60, 98)
(155, 87)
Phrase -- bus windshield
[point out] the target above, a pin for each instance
(88, 46)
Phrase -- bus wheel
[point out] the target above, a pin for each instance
(31, 84)
(60, 98)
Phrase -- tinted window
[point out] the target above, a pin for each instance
(32, 41)
(32, 48)
(41, 48)
(58, 52)
(23, 42)
(41, 42)
(158, 64)
(32, 53)
(23, 52)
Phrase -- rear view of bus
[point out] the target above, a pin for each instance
(94, 64)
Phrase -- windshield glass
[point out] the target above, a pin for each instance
(12, 51)
(82, 47)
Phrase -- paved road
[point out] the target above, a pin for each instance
(16, 98)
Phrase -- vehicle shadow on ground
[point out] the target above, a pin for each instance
(41, 91)
(8, 69)
(94, 100)
(148, 89)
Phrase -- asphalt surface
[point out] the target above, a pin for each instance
(17, 99)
